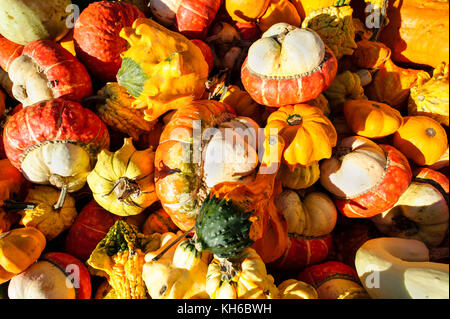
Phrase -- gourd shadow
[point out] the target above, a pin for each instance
(241, 15)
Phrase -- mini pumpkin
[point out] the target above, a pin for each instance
(372, 119)
(370, 54)
(242, 277)
(246, 10)
(122, 182)
(19, 248)
(50, 221)
(298, 177)
(300, 76)
(295, 289)
(307, 132)
(305, 7)
(279, 11)
(421, 139)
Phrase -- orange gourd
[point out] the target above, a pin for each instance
(371, 119)
(421, 139)
(308, 133)
(246, 10)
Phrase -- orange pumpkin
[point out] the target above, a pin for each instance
(371, 119)
(279, 11)
(418, 31)
(391, 84)
(421, 139)
(308, 133)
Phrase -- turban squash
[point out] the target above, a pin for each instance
(174, 67)
(8, 52)
(365, 178)
(55, 142)
(304, 72)
(45, 70)
(96, 36)
(188, 162)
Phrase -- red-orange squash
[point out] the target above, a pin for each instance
(45, 70)
(195, 16)
(8, 52)
(96, 36)
(276, 72)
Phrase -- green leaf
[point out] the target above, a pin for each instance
(132, 77)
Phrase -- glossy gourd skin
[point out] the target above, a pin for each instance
(194, 17)
(19, 248)
(96, 36)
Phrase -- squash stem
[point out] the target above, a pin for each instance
(62, 197)
(157, 257)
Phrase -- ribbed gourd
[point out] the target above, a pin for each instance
(116, 110)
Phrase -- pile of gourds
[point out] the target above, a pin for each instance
(234, 149)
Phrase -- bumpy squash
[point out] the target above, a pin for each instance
(421, 139)
(121, 256)
(243, 277)
(115, 109)
(346, 86)
(24, 21)
(308, 133)
(335, 27)
(122, 182)
(50, 221)
(96, 36)
(431, 98)
(19, 248)
(372, 119)
(173, 68)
